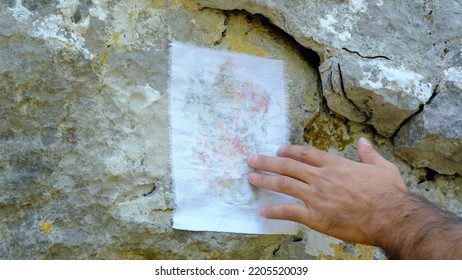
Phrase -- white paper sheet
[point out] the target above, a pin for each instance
(223, 107)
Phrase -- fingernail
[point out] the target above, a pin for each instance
(364, 141)
(251, 159)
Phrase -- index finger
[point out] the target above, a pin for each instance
(308, 154)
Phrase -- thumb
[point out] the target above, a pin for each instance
(367, 154)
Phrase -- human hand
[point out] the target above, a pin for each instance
(343, 198)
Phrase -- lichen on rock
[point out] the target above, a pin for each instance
(84, 157)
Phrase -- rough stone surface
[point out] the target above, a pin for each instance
(382, 93)
(376, 57)
(433, 137)
(84, 154)
(84, 138)
(380, 61)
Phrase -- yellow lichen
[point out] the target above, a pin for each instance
(68, 46)
(99, 62)
(356, 127)
(46, 226)
(115, 39)
(104, 58)
(357, 252)
(244, 45)
(128, 255)
(187, 4)
(325, 132)
(156, 4)
(440, 200)
(243, 36)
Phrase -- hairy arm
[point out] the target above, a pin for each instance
(364, 202)
(417, 229)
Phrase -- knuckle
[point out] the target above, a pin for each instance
(283, 183)
(288, 211)
(285, 149)
(325, 175)
(306, 151)
(289, 150)
(285, 166)
(340, 161)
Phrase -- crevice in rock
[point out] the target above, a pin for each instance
(367, 56)
(308, 54)
(150, 191)
(430, 175)
(223, 33)
(297, 239)
(7, 37)
(276, 250)
(434, 94)
(421, 108)
(342, 86)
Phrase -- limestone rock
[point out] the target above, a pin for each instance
(382, 93)
(83, 101)
(366, 77)
(433, 138)
(84, 148)
(445, 191)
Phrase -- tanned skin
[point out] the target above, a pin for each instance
(364, 202)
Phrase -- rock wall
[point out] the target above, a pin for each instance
(84, 155)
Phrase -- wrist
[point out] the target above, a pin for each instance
(395, 210)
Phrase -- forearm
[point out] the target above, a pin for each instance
(417, 229)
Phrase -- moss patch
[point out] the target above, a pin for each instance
(325, 132)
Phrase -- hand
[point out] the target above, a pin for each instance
(343, 198)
